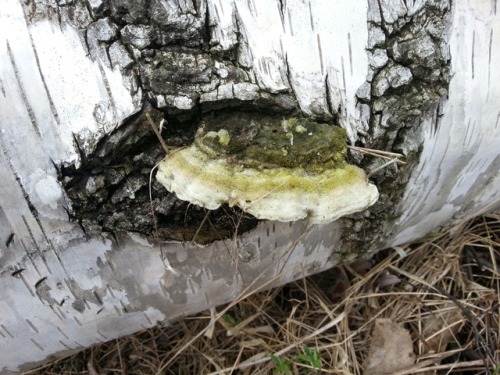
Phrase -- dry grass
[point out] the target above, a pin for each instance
(445, 292)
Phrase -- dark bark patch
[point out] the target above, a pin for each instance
(408, 78)
(110, 190)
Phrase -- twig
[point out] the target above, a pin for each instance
(392, 161)
(394, 157)
(155, 129)
(373, 151)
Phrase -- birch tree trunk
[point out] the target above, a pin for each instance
(80, 259)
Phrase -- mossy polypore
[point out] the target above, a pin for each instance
(297, 174)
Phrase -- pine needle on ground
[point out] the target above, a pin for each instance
(445, 292)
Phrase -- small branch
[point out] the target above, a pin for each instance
(391, 161)
(155, 129)
(393, 156)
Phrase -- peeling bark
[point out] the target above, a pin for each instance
(80, 258)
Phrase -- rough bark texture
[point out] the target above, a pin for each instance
(80, 259)
(408, 78)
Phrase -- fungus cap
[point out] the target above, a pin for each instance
(284, 194)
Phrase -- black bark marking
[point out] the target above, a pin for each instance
(49, 97)
(112, 268)
(51, 245)
(24, 97)
(57, 311)
(102, 335)
(191, 286)
(472, 54)
(281, 10)
(80, 305)
(206, 26)
(17, 273)
(37, 345)
(147, 318)
(221, 7)
(63, 344)
(78, 345)
(489, 63)
(350, 51)
(20, 275)
(31, 207)
(311, 17)
(436, 118)
(251, 7)
(328, 96)
(110, 290)
(68, 285)
(124, 308)
(32, 326)
(320, 54)
(6, 331)
(47, 240)
(118, 312)
(216, 13)
(343, 72)
(35, 243)
(111, 103)
(2, 89)
(10, 240)
(97, 297)
(468, 129)
(40, 282)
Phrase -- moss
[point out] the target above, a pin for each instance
(272, 142)
(259, 183)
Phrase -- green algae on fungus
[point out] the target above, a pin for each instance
(282, 170)
(272, 142)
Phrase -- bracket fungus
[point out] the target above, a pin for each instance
(272, 168)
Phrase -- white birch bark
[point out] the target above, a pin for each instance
(63, 289)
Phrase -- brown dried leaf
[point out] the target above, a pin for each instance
(390, 350)
(441, 327)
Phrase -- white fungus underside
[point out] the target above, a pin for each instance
(266, 194)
